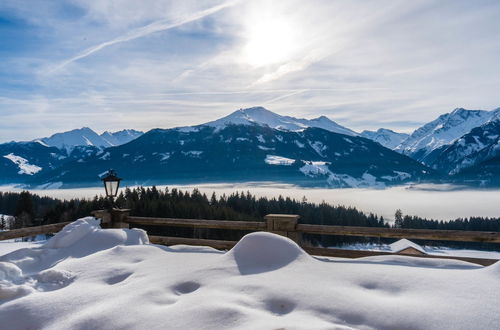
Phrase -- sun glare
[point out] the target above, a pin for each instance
(270, 40)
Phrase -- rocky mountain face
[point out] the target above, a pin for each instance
(443, 131)
(480, 144)
(386, 137)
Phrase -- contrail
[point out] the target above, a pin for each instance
(161, 25)
(300, 91)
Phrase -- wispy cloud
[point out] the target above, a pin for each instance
(157, 26)
(365, 64)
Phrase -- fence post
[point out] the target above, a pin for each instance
(112, 219)
(118, 218)
(284, 225)
(105, 217)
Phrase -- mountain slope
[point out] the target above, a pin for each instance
(311, 157)
(262, 116)
(386, 137)
(480, 144)
(483, 174)
(20, 160)
(443, 131)
(120, 137)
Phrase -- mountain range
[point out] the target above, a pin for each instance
(87, 137)
(256, 144)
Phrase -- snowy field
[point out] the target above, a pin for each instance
(89, 278)
(441, 202)
(432, 250)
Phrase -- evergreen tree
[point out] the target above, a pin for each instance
(398, 219)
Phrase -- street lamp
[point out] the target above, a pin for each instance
(111, 184)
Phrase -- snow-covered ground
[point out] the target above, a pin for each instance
(10, 245)
(89, 278)
(432, 250)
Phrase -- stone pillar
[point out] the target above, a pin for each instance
(118, 218)
(105, 217)
(284, 225)
(112, 219)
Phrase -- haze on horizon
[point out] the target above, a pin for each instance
(115, 64)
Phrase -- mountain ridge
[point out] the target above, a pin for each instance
(42, 161)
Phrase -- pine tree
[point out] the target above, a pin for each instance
(398, 219)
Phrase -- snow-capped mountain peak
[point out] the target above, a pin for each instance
(264, 117)
(443, 131)
(87, 137)
(78, 137)
(121, 137)
(386, 137)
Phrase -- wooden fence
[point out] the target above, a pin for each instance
(285, 225)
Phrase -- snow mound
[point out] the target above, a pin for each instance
(29, 270)
(494, 269)
(399, 260)
(73, 232)
(12, 282)
(85, 236)
(264, 252)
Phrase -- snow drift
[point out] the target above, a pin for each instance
(89, 278)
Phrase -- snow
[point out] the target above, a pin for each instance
(121, 137)
(24, 166)
(113, 279)
(77, 137)
(164, 156)
(88, 137)
(319, 147)
(192, 153)
(398, 176)
(431, 250)
(264, 117)
(188, 129)
(386, 137)
(105, 156)
(299, 144)
(278, 160)
(41, 142)
(445, 130)
(312, 168)
(347, 181)
(7, 246)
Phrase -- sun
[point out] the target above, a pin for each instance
(269, 40)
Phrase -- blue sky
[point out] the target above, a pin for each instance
(114, 64)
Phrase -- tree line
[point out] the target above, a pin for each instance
(32, 210)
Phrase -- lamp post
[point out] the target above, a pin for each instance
(111, 184)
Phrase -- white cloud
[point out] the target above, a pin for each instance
(366, 64)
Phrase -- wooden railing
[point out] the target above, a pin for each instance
(32, 231)
(285, 225)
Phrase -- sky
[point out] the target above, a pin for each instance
(115, 64)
